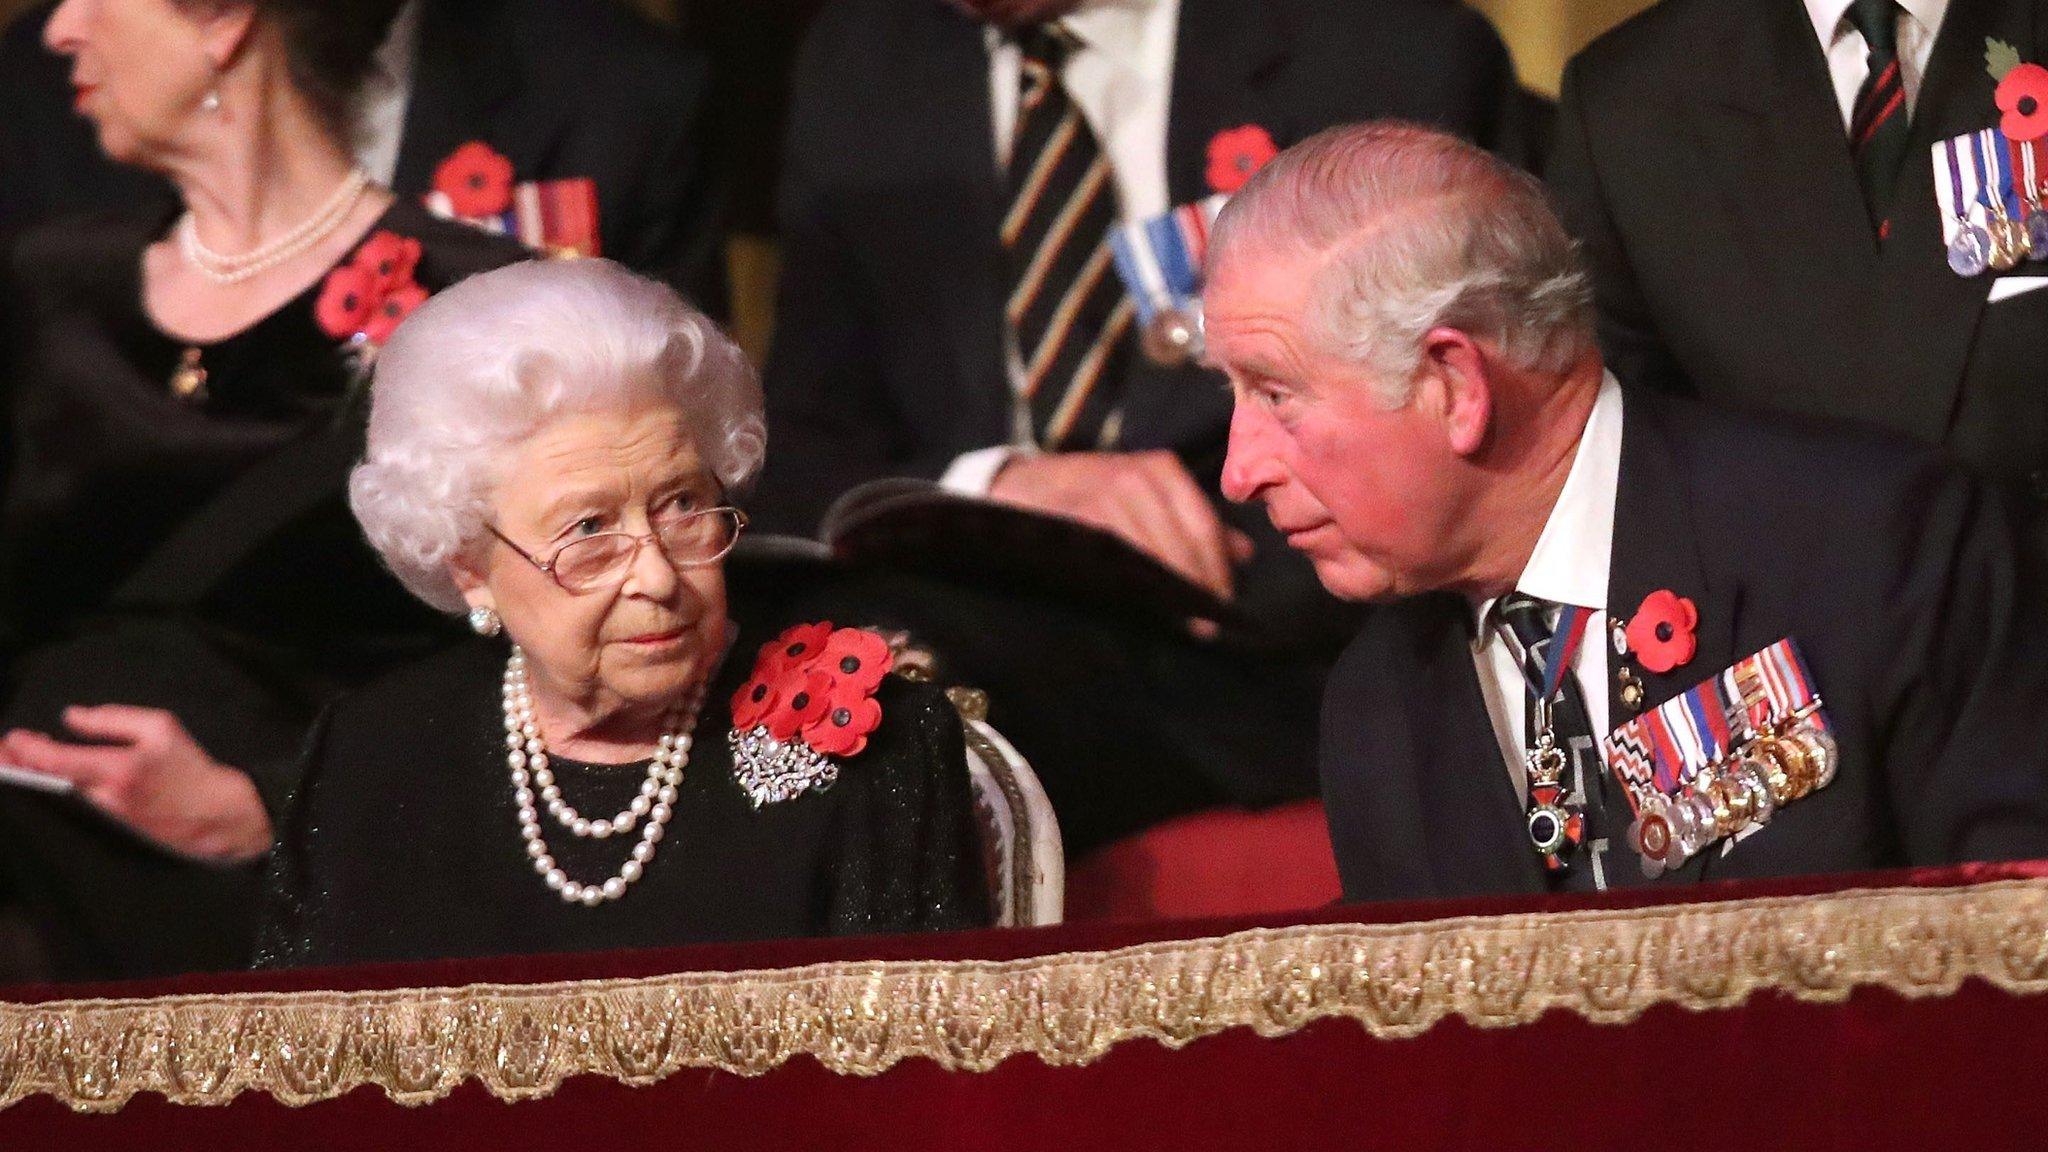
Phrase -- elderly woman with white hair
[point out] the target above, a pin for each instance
(553, 450)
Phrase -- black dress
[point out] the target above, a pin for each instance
(244, 631)
(403, 840)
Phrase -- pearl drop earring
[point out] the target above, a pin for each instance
(484, 621)
(211, 101)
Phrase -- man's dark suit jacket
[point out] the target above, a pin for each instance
(1701, 158)
(1900, 579)
(888, 358)
(564, 88)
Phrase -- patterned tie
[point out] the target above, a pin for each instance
(1574, 800)
(1067, 308)
(1878, 126)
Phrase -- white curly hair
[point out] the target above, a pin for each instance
(482, 365)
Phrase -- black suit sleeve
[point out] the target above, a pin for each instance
(1965, 762)
(833, 420)
(1628, 333)
(676, 221)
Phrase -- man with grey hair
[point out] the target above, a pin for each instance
(1422, 409)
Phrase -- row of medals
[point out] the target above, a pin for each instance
(1731, 795)
(2001, 242)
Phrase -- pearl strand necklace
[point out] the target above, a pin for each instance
(222, 268)
(526, 755)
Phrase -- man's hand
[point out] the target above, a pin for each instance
(1147, 498)
(147, 772)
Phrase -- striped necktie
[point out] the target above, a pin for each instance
(1878, 125)
(1581, 790)
(1066, 308)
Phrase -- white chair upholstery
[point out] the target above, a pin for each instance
(1025, 861)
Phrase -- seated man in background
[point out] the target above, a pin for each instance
(563, 90)
(1790, 247)
(949, 311)
(1422, 409)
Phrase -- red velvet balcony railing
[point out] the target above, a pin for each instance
(1897, 1010)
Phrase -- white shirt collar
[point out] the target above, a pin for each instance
(1827, 16)
(1572, 556)
(1116, 27)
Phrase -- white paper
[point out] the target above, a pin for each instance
(41, 782)
(2007, 287)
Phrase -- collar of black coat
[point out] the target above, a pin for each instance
(1657, 546)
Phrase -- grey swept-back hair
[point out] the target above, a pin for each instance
(1421, 230)
(480, 366)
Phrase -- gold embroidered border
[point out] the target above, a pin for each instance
(1396, 980)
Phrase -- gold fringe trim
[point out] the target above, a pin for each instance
(1396, 980)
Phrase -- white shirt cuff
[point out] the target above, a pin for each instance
(974, 473)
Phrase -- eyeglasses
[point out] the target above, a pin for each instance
(601, 560)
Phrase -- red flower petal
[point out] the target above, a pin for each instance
(477, 180)
(843, 730)
(1661, 631)
(752, 703)
(2023, 96)
(346, 299)
(391, 310)
(1236, 153)
(816, 681)
(389, 258)
(856, 659)
(797, 647)
(799, 703)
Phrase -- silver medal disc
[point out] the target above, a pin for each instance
(2037, 236)
(1171, 339)
(1692, 817)
(1969, 254)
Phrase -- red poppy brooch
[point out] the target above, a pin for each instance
(1235, 154)
(811, 699)
(1661, 633)
(364, 299)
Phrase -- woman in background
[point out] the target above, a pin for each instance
(183, 587)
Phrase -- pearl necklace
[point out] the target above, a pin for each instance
(527, 757)
(222, 268)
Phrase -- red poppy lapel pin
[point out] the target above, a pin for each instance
(810, 699)
(365, 298)
(2023, 99)
(1661, 634)
(477, 185)
(475, 181)
(2022, 92)
(1236, 154)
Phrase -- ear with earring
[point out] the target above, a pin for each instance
(484, 621)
